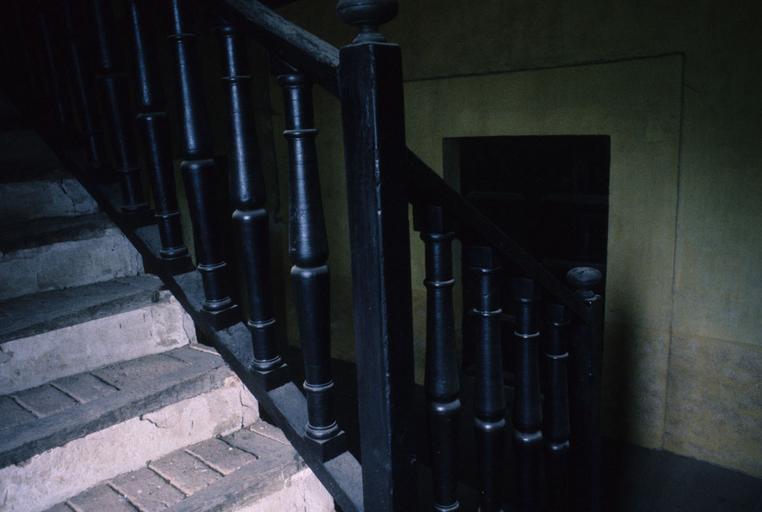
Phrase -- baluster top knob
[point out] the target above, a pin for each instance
(584, 279)
(367, 15)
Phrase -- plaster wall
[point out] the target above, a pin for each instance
(676, 86)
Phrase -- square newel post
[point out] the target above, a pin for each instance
(370, 81)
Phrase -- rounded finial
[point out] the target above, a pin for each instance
(584, 279)
(367, 15)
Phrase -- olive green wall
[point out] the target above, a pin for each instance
(676, 85)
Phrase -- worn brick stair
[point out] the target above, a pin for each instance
(254, 468)
(107, 401)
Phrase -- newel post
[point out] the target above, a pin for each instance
(370, 82)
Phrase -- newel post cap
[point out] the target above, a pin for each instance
(367, 15)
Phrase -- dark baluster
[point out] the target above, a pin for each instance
(31, 75)
(54, 73)
(442, 385)
(154, 130)
(83, 94)
(585, 392)
(113, 83)
(370, 79)
(556, 408)
(201, 176)
(251, 220)
(308, 248)
(489, 394)
(527, 408)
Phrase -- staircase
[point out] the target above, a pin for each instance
(108, 402)
(134, 413)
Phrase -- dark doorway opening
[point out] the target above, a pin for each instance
(550, 193)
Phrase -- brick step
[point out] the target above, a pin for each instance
(61, 438)
(49, 335)
(63, 252)
(252, 469)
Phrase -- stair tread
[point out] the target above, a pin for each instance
(216, 474)
(29, 234)
(46, 311)
(41, 418)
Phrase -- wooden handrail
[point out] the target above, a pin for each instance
(314, 57)
(320, 61)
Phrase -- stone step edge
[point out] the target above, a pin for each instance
(65, 471)
(137, 298)
(59, 429)
(153, 328)
(277, 479)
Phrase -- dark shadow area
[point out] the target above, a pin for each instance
(635, 479)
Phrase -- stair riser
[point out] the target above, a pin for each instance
(63, 472)
(38, 199)
(34, 360)
(67, 264)
(302, 491)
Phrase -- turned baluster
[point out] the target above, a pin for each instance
(113, 82)
(585, 391)
(54, 71)
(370, 83)
(441, 382)
(556, 407)
(250, 218)
(308, 248)
(201, 176)
(489, 395)
(527, 410)
(83, 93)
(31, 77)
(154, 130)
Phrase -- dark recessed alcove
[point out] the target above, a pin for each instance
(550, 193)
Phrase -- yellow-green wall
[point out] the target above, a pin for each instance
(678, 87)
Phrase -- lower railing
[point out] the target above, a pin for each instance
(557, 330)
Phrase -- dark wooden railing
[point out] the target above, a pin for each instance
(555, 385)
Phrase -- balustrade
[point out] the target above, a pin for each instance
(52, 62)
(250, 218)
(154, 129)
(442, 382)
(556, 428)
(83, 94)
(527, 408)
(308, 248)
(489, 395)
(113, 82)
(202, 177)
(585, 389)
